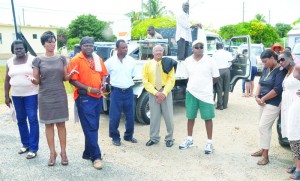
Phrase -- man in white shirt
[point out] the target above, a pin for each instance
(202, 73)
(121, 69)
(222, 58)
(183, 32)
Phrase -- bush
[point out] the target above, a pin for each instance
(72, 41)
(139, 29)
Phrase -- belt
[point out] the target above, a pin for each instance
(120, 89)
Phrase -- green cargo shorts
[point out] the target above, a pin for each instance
(207, 111)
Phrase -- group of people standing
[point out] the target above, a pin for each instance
(278, 94)
(23, 74)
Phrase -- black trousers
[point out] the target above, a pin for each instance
(183, 48)
(222, 88)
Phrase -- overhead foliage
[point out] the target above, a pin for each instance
(153, 9)
(258, 31)
(89, 25)
(134, 16)
(61, 37)
(72, 41)
(282, 29)
(139, 31)
(296, 22)
(260, 18)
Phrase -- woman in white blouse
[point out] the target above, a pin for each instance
(290, 117)
(24, 96)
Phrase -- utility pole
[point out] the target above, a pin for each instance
(269, 17)
(23, 16)
(14, 16)
(142, 11)
(243, 12)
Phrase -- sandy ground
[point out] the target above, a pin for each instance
(235, 138)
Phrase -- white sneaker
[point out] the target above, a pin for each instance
(186, 144)
(208, 148)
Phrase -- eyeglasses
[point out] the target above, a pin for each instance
(282, 60)
(198, 47)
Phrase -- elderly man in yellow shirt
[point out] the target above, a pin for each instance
(159, 85)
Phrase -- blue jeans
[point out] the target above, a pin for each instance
(26, 108)
(89, 109)
(121, 101)
(244, 85)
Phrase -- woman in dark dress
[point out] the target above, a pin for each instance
(49, 71)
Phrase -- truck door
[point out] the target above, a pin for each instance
(240, 65)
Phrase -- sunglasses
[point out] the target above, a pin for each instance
(282, 60)
(198, 47)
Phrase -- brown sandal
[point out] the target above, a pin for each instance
(258, 153)
(263, 161)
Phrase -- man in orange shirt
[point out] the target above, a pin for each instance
(89, 82)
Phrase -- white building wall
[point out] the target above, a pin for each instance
(32, 35)
(293, 37)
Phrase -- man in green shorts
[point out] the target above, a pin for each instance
(202, 72)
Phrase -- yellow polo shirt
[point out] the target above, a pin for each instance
(168, 80)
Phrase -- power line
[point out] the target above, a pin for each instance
(45, 10)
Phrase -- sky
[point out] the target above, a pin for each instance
(212, 13)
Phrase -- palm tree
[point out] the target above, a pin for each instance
(133, 16)
(153, 9)
(260, 18)
(296, 22)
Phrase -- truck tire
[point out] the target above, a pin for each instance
(142, 109)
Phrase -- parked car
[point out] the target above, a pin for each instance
(256, 50)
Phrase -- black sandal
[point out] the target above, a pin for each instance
(291, 169)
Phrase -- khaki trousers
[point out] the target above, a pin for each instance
(166, 109)
(267, 115)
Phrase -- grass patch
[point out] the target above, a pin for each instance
(68, 86)
(2, 77)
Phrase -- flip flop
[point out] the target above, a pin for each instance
(31, 155)
(291, 169)
(23, 150)
(295, 176)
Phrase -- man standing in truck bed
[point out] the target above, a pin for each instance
(183, 32)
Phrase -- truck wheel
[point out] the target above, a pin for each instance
(142, 109)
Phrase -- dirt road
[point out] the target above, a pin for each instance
(235, 138)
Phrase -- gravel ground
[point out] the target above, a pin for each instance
(235, 138)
